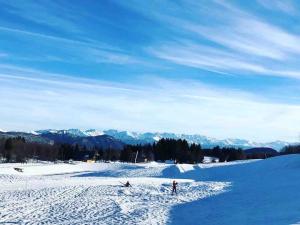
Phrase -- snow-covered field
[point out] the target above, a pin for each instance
(245, 192)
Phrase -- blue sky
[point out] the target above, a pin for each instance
(217, 68)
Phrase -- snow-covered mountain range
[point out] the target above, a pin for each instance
(148, 137)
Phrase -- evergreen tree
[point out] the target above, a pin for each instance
(8, 146)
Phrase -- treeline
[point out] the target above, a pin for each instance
(179, 151)
(77, 152)
(182, 152)
(291, 149)
(226, 154)
(18, 150)
(165, 149)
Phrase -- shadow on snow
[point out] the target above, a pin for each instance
(262, 192)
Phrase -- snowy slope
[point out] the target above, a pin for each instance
(93, 193)
(262, 192)
(243, 192)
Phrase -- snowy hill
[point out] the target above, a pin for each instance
(243, 192)
(83, 193)
(262, 192)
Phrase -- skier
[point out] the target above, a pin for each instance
(174, 187)
(127, 184)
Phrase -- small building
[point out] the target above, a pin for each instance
(90, 161)
(210, 159)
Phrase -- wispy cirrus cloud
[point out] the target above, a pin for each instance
(210, 67)
(36, 100)
(71, 44)
(286, 6)
(234, 41)
(48, 37)
(212, 59)
(250, 37)
(73, 50)
(48, 13)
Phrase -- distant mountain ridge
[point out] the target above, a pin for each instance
(149, 138)
(72, 136)
(116, 139)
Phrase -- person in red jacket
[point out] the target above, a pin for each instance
(174, 187)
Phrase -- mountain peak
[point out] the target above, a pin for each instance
(129, 137)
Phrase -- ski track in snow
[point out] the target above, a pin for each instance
(92, 194)
(256, 192)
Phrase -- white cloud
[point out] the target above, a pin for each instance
(72, 50)
(216, 36)
(184, 107)
(286, 6)
(58, 39)
(235, 41)
(49, 13)
(219, 61)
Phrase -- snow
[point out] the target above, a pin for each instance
(185, 167)
(93, 132)
(92, 193)
(208, 159)
(156, 138)
(242, 192)
(261, 192)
